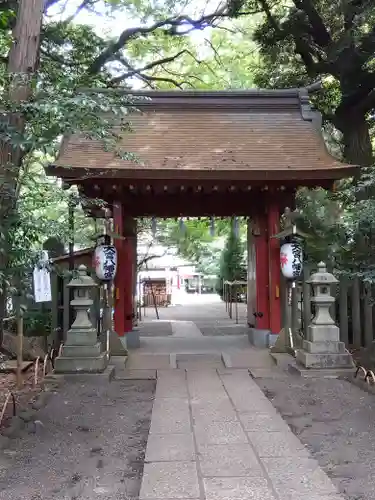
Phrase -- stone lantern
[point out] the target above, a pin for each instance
(81, 351)
(322, 347)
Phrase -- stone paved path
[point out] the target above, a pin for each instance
(215, 436)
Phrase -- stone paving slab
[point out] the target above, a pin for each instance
(258, 422)
(219, 433)
(169, 480)
(219, 438)
(140, 361)
(170, 416)
(229, 461)
(238, 488)
(277, 444)
(167, 390)
(250, 358)
(170, 448)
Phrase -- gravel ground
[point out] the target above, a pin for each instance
(88, 443)
(335, 420)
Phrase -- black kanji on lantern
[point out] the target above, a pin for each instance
(296, 263)
(109, 264)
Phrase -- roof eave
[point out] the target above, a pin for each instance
(80, 174)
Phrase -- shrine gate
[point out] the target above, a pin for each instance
(223, 154)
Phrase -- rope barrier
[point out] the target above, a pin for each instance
(48, 359)
(9, 395)
(368, 375)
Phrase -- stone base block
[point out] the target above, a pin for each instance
(298, 369)
(323, 333)
(116, 347)
(132, 339)
(96, 364)
(324, 360)
(81, 336)
(259, 338)
(82, 351)
(272, 339)
(327, 347)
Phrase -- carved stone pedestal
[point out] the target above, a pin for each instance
(81, 353)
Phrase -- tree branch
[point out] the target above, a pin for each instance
(174, 73)
(50, 3)
(136, 71)
(320, 33)
(362, 100)
(173, 23)
(80, 7)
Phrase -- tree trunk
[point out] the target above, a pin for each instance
(23, 59)
(356, 138)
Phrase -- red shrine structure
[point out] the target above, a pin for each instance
(223, 154)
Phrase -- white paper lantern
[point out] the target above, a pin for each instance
(291, 260)
(105, 262)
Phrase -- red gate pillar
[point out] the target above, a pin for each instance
(260, 234)
(267, 273)
(251, 276)
(124, 281)
(273, 218)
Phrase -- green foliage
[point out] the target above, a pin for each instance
(303, 41)
(194, 241)
(232, 265)
(38, 322)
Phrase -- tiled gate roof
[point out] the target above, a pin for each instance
(259, 134)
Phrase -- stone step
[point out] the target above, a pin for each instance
(199, 361)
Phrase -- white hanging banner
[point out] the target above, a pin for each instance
(42, 281)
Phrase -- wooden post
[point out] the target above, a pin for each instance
(236, 306)
(66, 305)
(356, 313)
(343, 310)
(282, 300)
(71, 209)
(368, 334)
(306, 291)
(19, 315)
(294, 309)
(52, 341)
(230, 300)
(251, 275)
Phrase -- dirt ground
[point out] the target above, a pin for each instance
(22, 397)
(88, 443)
(335, 420)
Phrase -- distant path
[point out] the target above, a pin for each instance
(206, 311)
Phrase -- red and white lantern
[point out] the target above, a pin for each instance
(105, 262)
(291, 260)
